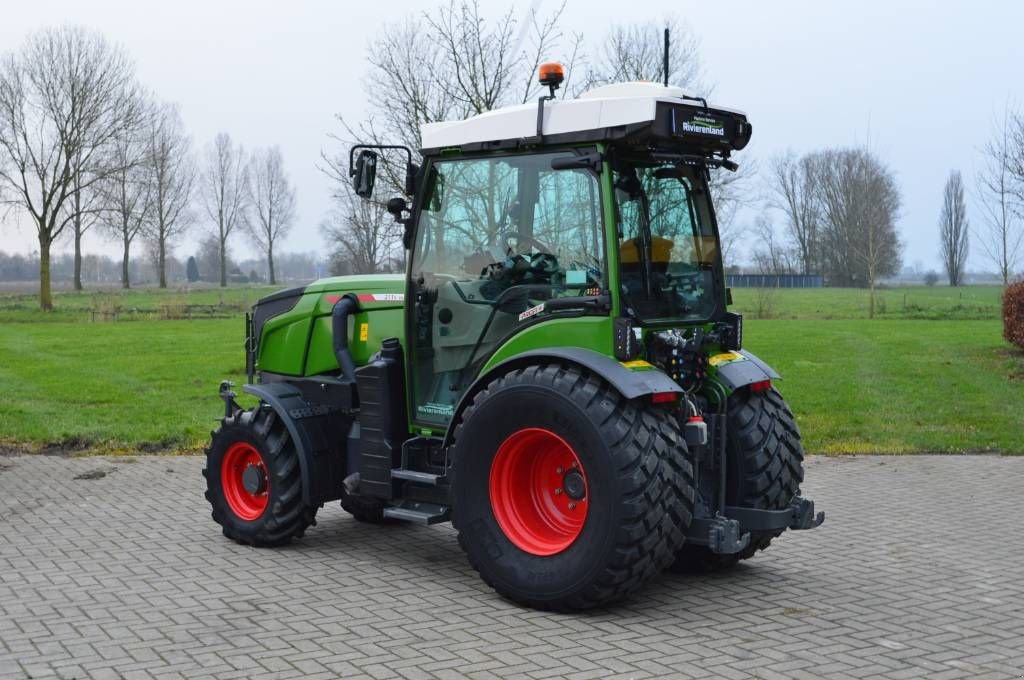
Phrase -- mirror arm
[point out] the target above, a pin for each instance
(357, 147)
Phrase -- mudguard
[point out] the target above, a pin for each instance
(315, 427)
(740, 369)
(639, 380)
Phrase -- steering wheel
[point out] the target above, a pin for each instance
(521, 240)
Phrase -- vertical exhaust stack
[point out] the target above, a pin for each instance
(339, 331)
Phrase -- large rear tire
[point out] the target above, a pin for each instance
(765, 470)
(566, 495)
(253, 482)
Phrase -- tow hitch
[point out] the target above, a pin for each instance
(729, 533)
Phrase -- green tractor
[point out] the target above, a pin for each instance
(556, 373)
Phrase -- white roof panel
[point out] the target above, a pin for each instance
(602, 107)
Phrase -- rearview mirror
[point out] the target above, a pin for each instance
(364, 173)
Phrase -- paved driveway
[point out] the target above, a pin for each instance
(112, 568)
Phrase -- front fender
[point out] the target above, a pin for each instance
(317, 432)
(630, 382)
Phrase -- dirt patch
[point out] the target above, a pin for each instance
(95, 474)
(80, 447)
(165, 446)
(1011, 361)
(68, 446)
(796, 611)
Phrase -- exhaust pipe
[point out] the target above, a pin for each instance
(339, 331)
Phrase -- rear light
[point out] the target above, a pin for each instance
(663, 397)
(761, 386)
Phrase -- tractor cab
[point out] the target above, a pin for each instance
(585, 209)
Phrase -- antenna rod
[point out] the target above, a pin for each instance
(665, 65)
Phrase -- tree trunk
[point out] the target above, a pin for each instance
(270, 263)
(124, 266)
(78, 253)
(45, 298)
(162, 261)
(223, 264)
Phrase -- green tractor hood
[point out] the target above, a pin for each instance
(291, 329)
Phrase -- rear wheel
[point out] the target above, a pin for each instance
(566, 495)
(253, 482)
(765, 469)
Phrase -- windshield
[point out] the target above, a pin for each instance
(668, 251)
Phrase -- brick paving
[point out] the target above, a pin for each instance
(112, 568)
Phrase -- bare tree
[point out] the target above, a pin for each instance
(272, 199)
(771, 256)
(999, 183)
(366, 238)
(447, 64)
(63, 99)
(170, 176)
(224, 195)
(488, 64)
(730, 191)
(793, 191)
(859, 204)
(953, 229)
(635, 51)
(127, 193)
(84, 209)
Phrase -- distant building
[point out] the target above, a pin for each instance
(774, 280)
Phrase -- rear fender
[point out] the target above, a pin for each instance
(740, 369)
(631, 382)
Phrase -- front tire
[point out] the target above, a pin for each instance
(363, 508)
(566, 495)
(253, 482)
(765, 470)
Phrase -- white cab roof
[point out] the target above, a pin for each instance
(602, 107)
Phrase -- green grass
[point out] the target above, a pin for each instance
(893, 385)
(115, 385)
(908, 302)
(897, 386)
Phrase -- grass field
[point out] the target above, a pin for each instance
(909, 302)
(897, 384)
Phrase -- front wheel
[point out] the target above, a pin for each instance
(566, 495)
(252, 480)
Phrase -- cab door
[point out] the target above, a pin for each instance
(496, 237)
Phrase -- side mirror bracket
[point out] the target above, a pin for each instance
(397, 206)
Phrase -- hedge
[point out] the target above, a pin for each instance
(1013, 314)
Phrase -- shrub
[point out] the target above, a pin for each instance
(1013, 314)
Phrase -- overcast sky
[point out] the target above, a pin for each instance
(920, 81)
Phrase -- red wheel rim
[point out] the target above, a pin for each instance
(538, 491)
(248, 505)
